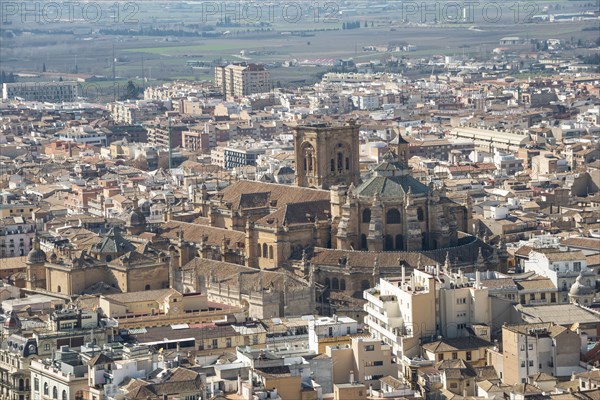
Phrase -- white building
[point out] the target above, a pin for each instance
(404, 310)
(507, 164)
(327, 327)
(84, 135)
(52, 92)
(16, 236)
(561, 267)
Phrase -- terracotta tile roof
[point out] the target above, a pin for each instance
(228, 273)
(298, 213)
(366, 259)
(456, 344)
(281, 194)
(194, 233)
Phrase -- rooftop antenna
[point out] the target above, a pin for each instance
(170, 147)
(114, 75)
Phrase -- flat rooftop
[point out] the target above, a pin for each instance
(561, 314)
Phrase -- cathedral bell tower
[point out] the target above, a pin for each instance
(326, 155)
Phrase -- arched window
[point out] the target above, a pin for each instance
(332, 165)
(393, 216)
(271, 252)
(366, 215)
(64, 395)
(363, 242)
(564, 285)
(340, 161)
(335, 284)
(399, 242)
(147, 287)
(58, 289)
(54, 393)
(420, 214)
(342, 284)
(265, 250)
(389, 243)
(45, 388)
(327, 283)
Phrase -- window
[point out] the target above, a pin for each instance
(454, 356)
(215, 344)
(522, 364)
(420, 214)
(577, 266)
(36, 384)
(54, 393)
(370, 347)
(441, 357)
(228, 342)
(468, 356)
(531, 363)
(46, 347)
(462, 300)
(530, 346)
(522, 347)
(453, 385)
(64, 395)
(543, 296)
(552, 297)
(366, 215)
(45, 388)
(393, 216)
(532, 296)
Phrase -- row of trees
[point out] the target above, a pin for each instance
(7, 78)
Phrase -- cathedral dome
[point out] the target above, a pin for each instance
(136, 218)
(13, 321)
(36, 255)
(579, 289)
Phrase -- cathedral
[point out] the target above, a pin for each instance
(327, 238)
(342, 228)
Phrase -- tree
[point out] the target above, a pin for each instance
(131, 91)
(163, 162)
(141, 163)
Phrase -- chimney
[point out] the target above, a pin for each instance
(239, 385)
(477, 279)
(403, 274)
(351, 376)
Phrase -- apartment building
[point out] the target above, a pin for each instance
(562, 268)
(16, 236)
(62, 377)
(401, 311)
(367, 359)
(243, 79)
(52, 92)
(85, 135)
(529, 349)
(132, 112)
